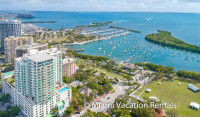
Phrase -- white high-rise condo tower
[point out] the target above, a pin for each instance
(38, 86)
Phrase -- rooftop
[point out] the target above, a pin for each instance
(11, 38)
(49, 115)
(4, 20)
(84, 88)
(11, 81)
(8, 73)
(68, 60)
(30, 46)
(31, 101)
(193, 87)
(194, 104)
(62, 90)
(50, 51)
(75, 83)
(40, 57)
(129, 65)
(60, 103)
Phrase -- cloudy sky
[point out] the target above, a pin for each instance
(103, 5)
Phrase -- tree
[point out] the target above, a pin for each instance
(116, 79)
(90, 98)
(102, 74)
(128, 78)
(108, 87)
(81, 67)
(5, 98)
(74, 90)
(54, 110)
(69, 111)
(4, 114)
(14, 111)
(9, 68)
(67, 79)
(90, 113)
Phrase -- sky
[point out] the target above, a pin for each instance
(103, 5)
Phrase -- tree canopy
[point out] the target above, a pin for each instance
(90, 113)
(69, 110)
(14, 111)
(189, 74)
(5, 98)
(165, 38)
(157, 68)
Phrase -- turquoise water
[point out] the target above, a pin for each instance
(183, 26)
(63, 89)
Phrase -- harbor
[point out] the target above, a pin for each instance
(132, 47)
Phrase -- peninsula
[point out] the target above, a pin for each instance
(125, 29)
(40, 22)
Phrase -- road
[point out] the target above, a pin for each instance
(108, 99)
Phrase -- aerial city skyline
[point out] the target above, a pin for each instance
(99, 58)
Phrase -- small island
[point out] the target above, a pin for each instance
(97, 24)
(40, 22)
(165, 38)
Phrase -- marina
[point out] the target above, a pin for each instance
(124, 45)
(129, 46)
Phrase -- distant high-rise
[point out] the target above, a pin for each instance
(11, 43)
(9, 28)
(21, 50)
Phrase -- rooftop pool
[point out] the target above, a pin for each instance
(63, 89)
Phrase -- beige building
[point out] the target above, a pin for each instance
(11, 43)
(21, 50)
(69, 67)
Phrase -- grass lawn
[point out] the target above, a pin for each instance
(100, 70)
(139, 91)
(169, 91)
(80, 61)
(110, 74)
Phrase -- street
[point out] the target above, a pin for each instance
(108, 99)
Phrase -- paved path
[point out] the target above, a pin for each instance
(142, 86)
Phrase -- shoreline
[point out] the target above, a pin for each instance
(103, 38)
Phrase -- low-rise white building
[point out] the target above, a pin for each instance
(193, 88)
(148, 90)
(154, 98)
(194, 105)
